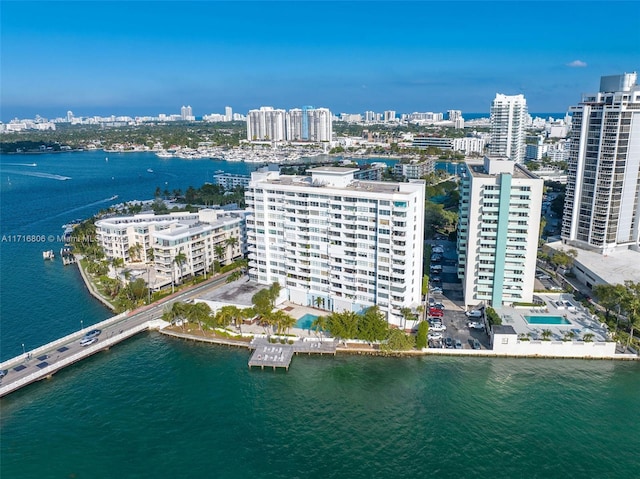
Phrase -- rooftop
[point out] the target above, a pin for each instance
(478, 169)
(613, 268)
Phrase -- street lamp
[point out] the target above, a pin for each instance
(81, 325)
(24, 352)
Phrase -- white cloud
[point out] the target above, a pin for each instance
(577, 64)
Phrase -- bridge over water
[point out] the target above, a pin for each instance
(46, 360)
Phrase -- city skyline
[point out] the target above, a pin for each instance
(143, 58)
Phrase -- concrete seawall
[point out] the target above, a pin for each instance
(90, 286)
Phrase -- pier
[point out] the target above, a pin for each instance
(277, 355)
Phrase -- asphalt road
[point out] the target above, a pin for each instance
(26, 364)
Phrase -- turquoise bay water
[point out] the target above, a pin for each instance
(154, 407)
(546, 320)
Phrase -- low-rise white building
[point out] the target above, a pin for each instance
(177, 244)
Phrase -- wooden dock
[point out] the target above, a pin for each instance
(272, 355)
(277, 355)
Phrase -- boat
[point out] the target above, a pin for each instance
(114, 197)
(48, 254)
(106, 158)
(149, 170)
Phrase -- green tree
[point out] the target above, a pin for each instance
(407, 315)
(421, 336)
(227, 315)
(546, 334)
(319, 325)
(372, 326)
(262, 302)
(343, 325)
(198, 313)
(179, 259)
(398, 341)
(631, 306)
(219, 251)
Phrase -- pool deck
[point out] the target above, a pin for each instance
(580, 320)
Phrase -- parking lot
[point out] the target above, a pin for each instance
(454, 318)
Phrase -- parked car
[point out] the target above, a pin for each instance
(439, 306)
(437, 250)
(434, 336)
(476, 344)
(93, 333)
(475, 325)
(448, 342)
(438, 328)
(458, 344)
(474, 313)
(88, 341)
(435, 312)
(432, 302)
(436, 289)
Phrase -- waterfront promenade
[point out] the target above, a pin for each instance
(44, 361)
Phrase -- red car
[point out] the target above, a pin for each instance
(438, 313)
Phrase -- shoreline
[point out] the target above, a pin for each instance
(369, 351)
(91, 287)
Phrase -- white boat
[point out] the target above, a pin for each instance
(48, 254)
(149, 170)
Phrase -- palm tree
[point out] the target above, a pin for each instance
(226, 315)
(319, 301)
(219, 250)
(198, 313)
(631, 304)
(319, 325)
(174, 314)
(546, 334)
(179, 260)
(231, 241)
(282, 320)
(587, 338)
(134, 252)
(407, 315)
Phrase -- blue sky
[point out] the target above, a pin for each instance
(147, 58)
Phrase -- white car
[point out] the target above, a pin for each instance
(475, 325)
(434, 336)
(474, 313)
(438, 327)
(435, 289)
(88, 341)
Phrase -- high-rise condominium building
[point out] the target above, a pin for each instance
(266, 124)
(508, 120)
(335, 242)
(186, 113)
(601, 209)
(228, 113)
(498, 228)
(306, 124)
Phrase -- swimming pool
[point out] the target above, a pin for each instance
(546, 320)
(305, 321)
